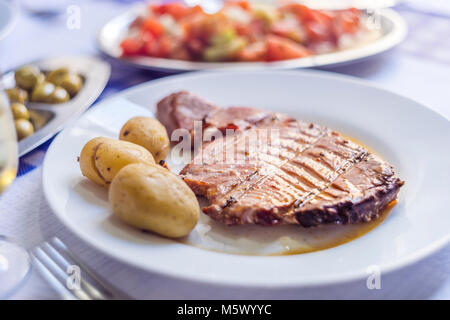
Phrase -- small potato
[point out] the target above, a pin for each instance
(149, 133)
(152, 198)
(101, 158)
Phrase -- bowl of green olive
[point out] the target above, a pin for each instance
(44, 95)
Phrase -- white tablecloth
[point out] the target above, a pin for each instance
(419, 68)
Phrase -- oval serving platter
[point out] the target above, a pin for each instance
(393, 29)
(51, 118)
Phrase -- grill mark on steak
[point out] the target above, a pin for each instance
(315, 189)
(310, 195)
(364, 202)
(310, 170)
(322, 160)
(253, 184)
(293, 179)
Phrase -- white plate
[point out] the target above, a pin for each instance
(410, 136)
(8, 16)
(393, 32)
(343, 4)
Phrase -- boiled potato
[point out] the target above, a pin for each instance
(101, 158)
(149, 133)
(150, 197)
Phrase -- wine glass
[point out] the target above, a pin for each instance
(14, 260)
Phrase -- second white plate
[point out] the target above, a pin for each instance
(392, 25)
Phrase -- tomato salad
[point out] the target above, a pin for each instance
(240, 31)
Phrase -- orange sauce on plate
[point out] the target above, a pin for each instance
(363, 229)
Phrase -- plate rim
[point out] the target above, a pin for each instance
(315, 281)
(381, 45)
(14, 9)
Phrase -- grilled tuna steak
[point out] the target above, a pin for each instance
(278, 170)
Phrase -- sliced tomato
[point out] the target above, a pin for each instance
(242, 4)
(254, 52)
(195, 10)
(320, 27)
(347, 21)
(319, 32)
(279, 48)
(151, 48)
(175, 9)
(318, 24)
(290, 29)
(255, 30)
(165, 47)
(301, 11)
(131, 46)
(153, 26)
(159, 47)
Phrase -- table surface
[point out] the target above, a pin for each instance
(418, 68)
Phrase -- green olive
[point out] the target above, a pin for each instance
(17, 95)
(42, 92)
(72, 83)
(56, 76)
(59, 95)
(19, 111)
(26, 77)
(40, 78)
(24, 128)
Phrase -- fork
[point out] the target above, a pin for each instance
(67, 274)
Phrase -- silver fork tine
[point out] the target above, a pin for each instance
(51, 270)
(63, 264)
(97, 281)
(53, 258)
(53, 281)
